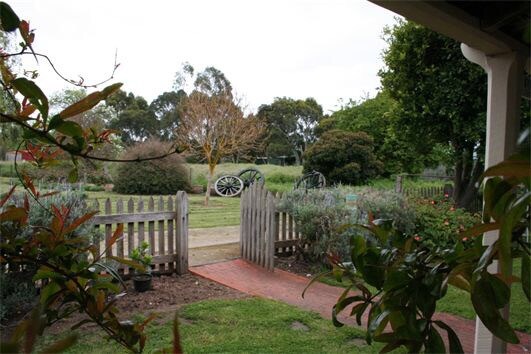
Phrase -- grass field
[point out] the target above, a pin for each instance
(241, 326)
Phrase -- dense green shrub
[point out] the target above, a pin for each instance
(17, 294)
(439, 222)
(320, 215)
(343, 157)
(161, 176)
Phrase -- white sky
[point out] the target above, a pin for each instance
(326, 49)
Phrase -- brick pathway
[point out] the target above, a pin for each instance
(288, 287)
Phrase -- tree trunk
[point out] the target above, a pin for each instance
(467, 172)
(209, 184)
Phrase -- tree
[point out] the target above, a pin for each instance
(134, 119)
(166, 108)
(214, 127)
(343, 157)
(441, 97)
(379, 118)
(292, 122)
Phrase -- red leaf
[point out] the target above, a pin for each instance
(6, 197)
(117, 234)
(75, 224)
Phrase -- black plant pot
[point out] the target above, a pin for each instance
(142, 282)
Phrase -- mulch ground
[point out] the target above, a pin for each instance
(168, 293)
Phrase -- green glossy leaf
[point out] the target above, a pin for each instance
(55, 121)
(435, 343)
(510, 221)
(8, 18)
(526, 275)
(359, 245)
(396, 279)
(33, 93)
(358, 310)
(129, 263)
(69, 128)
(509, 168)
(483, 299)
(48, 291)
(453, 340)
(377, 325)
(314, 279)
(373, 273)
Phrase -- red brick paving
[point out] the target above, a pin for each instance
(287, 287)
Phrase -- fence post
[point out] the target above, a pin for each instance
(181, 222)
(398, 183)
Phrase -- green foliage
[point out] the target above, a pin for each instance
(142, 256)
(441, 98)
(439, 222)
(291, 125)
(378, 117)
(69, 265)
(166, 108)
(17, 294)
(160, 176)
(408, 279)
(343, 157)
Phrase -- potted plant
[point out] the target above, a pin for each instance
(142, 279)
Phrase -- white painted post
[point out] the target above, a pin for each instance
(505, 79)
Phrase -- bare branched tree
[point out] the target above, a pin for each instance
(213, 127)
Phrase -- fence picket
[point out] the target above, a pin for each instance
(120, 242)
(108, 229)
(140, 208)
(96, 240)
(130, 227)
(151, 227)
(171, 234)
(161, 247)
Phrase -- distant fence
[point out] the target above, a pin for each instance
(434, 192)
(163, 223)
(264, 231)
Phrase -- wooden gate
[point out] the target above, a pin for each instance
(165, 229)
(264, 231)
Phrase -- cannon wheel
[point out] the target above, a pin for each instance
(311, 180)
(249, 176)
(228, 186)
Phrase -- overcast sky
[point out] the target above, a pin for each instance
(326, 49)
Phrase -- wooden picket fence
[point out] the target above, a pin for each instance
(264, 231)
(162, 223)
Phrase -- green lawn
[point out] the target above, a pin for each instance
(251, 325)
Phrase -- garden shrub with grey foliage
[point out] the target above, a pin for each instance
(17, 289)
(323, 218)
